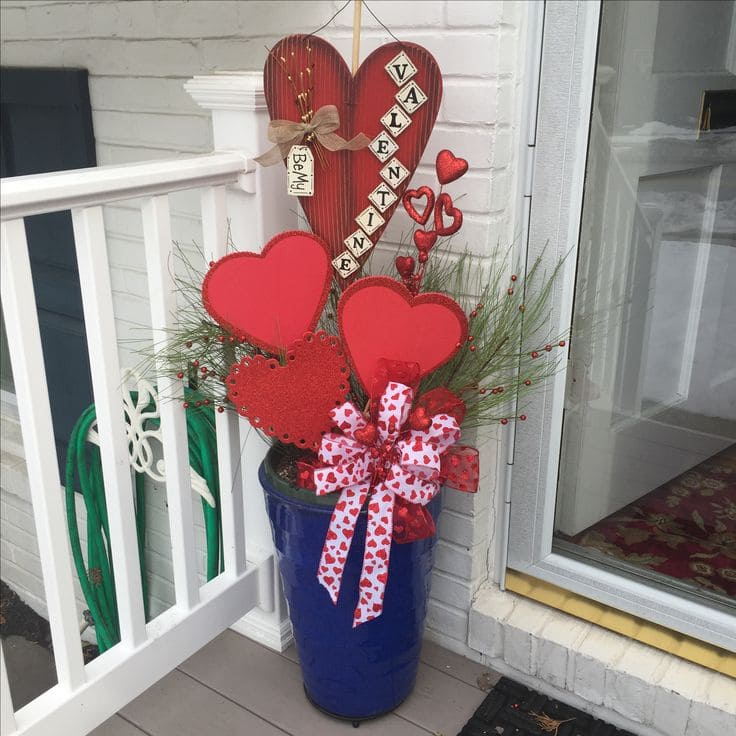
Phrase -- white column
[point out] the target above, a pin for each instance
(258, 208)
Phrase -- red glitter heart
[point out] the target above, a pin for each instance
(449, 168)
(405, 266)
(379, 318)
(366, 435)
(271, 298)
(424, 240)
(422, 192)
(444, 207)
(342, 185)
(292, 401)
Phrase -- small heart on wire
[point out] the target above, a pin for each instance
(424, 240)
(444, 207)
(412, 194)
(449, 167)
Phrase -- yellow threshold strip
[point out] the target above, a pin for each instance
(681, 645)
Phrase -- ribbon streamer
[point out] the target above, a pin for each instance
(388, 462)
(286, 133)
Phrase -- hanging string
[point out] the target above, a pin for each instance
(322, 27)
(367, 7)
(380, 22)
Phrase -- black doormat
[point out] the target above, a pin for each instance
(514, 710)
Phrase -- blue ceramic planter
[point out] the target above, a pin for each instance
(350, 673)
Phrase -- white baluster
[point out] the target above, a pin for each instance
(29, 375)
(161, 289)
(99, 317)
(214, 230)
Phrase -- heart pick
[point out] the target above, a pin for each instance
(449, 168)
(270, 298)
(379, 318)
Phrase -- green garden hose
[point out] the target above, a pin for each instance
(84, 475)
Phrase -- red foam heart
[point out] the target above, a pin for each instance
(379, 318)
(342, 186)
(424, 239)
(271, 298)
(292, 401)
(422, 192)
(449, 168)
(444, 207)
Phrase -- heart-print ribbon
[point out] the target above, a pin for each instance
(286, 133)
(391, 462)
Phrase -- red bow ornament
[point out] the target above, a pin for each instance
(388, 462)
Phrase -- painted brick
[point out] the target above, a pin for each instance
(474, 144)
(474, 13)
(466, 563)
(280, 18)
(142, 94)
(474, 188)
(179, 19)
(57, 21)
(707, 721)
(559, 635)
(468, 101)
(397, 15)
(451, 622)
(451, 590)
(14, 20)
(670, 712)
(170, 131)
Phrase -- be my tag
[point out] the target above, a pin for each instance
(300, 172)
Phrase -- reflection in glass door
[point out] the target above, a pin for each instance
(647, 477)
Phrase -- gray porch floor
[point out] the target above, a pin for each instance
(235, 687)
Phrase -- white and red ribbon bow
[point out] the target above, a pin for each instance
(384, 460)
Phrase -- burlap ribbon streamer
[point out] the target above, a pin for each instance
(286, 133)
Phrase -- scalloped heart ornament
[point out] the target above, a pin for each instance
(292, 402)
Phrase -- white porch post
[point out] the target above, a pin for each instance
(258, 209)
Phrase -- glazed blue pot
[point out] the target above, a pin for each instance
(349, 673)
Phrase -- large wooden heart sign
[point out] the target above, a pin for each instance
(379, 318)
(270, 298)
(393, 99)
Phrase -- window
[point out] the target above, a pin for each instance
(628, 477)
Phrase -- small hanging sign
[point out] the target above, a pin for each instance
(300, 172)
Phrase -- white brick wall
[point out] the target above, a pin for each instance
(140, 54)
(631, 685)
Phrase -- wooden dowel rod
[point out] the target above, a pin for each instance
(356, 35)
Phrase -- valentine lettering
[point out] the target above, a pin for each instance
(370, 220)
(358, 243)
(382, 197)
(400, 68)
(396, 120)
(345, 264)
(411, 97)
(394, 172)
(383, 146)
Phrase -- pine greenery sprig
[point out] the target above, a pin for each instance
(510, 349)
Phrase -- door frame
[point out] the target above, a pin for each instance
(569, 50)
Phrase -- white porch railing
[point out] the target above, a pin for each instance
(88, 694)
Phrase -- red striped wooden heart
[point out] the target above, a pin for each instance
(343, 185)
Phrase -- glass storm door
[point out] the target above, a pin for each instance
(647, 477)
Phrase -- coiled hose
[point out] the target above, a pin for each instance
(84, 475)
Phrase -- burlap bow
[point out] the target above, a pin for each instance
(286, 133)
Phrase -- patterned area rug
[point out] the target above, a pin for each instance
(513, 710)
(686, 528)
